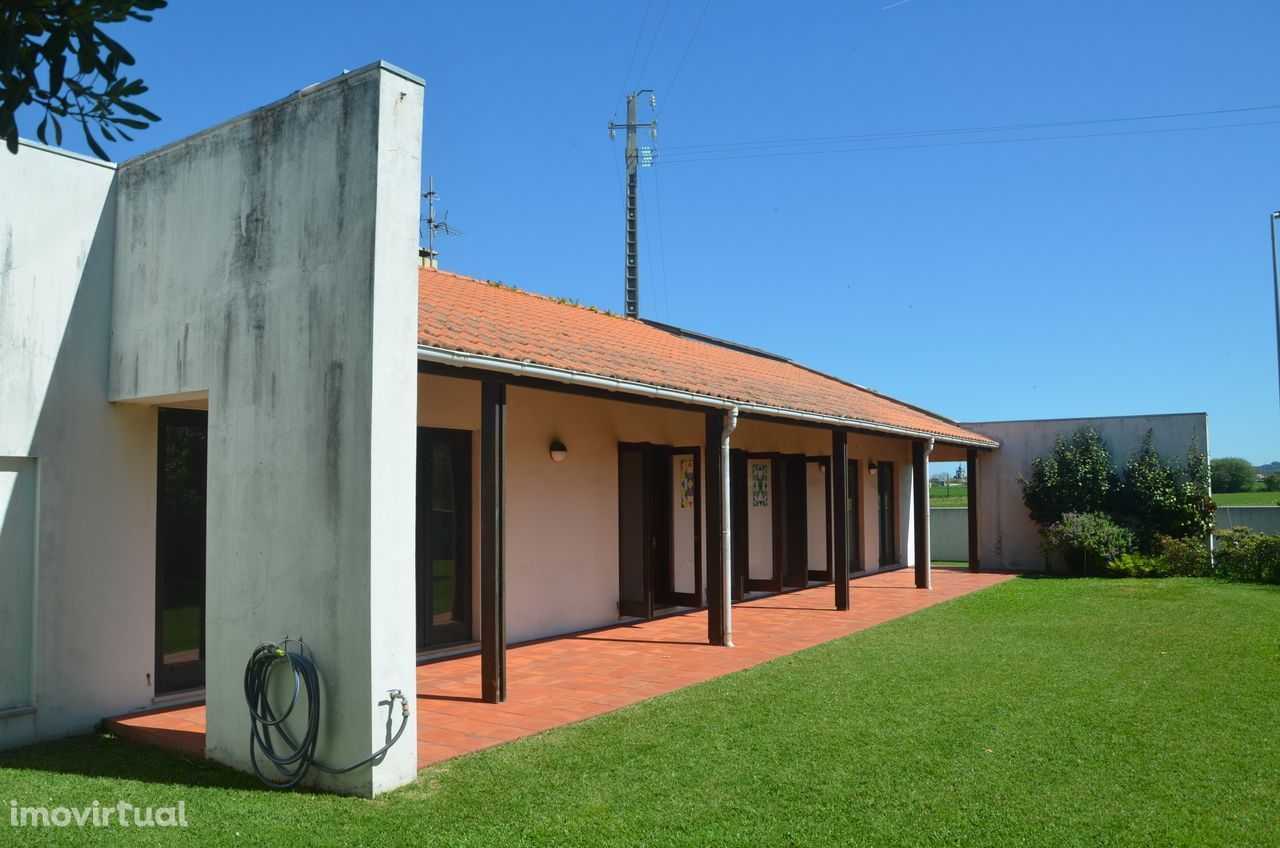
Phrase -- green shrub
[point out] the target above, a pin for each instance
(1272, 481)
(1183, 556)
(1156, 499)
(1233, 474)
(1089, 540)
(1247, 555)
(1077, 476)
(1137, 565)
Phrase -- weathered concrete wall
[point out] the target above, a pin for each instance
(1264, 519)
(270, 263)
(949, 534)
(1007, 536)
(77, 566)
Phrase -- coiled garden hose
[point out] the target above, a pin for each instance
(294, 758)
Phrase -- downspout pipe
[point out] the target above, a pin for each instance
(928, 518)
(726, 533)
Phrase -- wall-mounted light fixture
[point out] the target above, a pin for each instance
(871, 466)
(558, 451)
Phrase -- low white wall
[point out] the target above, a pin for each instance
(949, 534)
(1007, 537)
(1264, 519)
(88, 524)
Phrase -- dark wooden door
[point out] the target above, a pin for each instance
(794, 512)
(738, 514)
(444, 568)
(636, 540)
(888, 511)
(181, 488)
(853, 516)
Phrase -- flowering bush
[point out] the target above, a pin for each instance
(1089, 540)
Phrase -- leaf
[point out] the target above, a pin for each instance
(129, 122)
(57, 65)
(93, 144)
(44, 122)
(140, 111)
(86, 50)
(114, 47)
(11, 140)
(57, 132)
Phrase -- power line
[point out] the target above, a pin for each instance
(724, 147)
(711, 157)
(665, 6)
(679, 67)
(622, 89)
(662, 245)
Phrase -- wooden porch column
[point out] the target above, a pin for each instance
(920, 499)
(971, 477)
(493, 577)
(713, 521)
(840, 516)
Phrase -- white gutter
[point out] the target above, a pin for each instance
(726, 517)
(443, 356)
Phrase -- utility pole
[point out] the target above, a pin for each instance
(636, 157)
(1275, 281)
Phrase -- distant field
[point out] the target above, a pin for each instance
(958, 496)
(952, 496)
(1254, 498)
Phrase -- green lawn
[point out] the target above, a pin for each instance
(1254, 498)
(1039, 712)
(953, 495)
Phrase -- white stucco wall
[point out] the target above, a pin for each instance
(1007, 538)
(562, 518)
(269, 262)
(90, 620)
(949, 534)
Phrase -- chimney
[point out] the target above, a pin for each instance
(427, 258)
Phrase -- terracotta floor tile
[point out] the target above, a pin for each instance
(570, 678)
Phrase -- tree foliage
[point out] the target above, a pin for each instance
(1233, 474)
(54, 55)
(1151, 498)
(1156, 499)
(1077, 476)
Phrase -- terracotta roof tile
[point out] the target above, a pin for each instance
(473, 316)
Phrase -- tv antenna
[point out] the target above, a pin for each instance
(430, 226)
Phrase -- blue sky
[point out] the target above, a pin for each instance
(1002, 279)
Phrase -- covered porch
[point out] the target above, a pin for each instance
(565, 679)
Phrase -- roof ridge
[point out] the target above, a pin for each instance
(608, 353)
(562, 301)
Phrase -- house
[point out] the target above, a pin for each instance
(236, 409)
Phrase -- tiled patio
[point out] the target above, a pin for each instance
(566, 679)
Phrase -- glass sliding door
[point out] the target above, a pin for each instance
(180, 548)
(443, 537)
